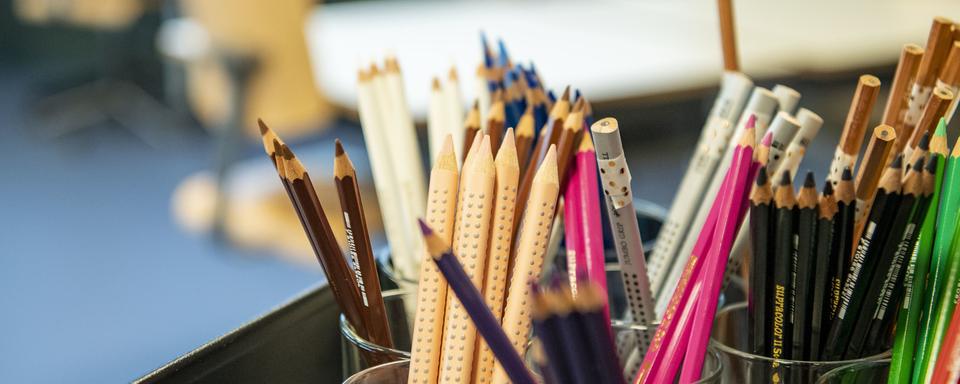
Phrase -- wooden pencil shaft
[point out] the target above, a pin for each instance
(937, 49)
(728, 35)
(935, 109)
(804, 273)
(950, 74)
(904, 76)
(858, 116)
(874, 161)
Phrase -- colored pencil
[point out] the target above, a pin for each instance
(858, 116)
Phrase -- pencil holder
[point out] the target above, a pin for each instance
(865, 372)
(397, 371)
(729, 340)
(358, 352)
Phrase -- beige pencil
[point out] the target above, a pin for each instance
(437, 121)
(432, 292)
(501, 238)
(470, 240)
(531, 247)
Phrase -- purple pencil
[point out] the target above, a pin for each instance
(473, 302)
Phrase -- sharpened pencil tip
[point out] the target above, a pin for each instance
(424, 228)
(897, 162)
(924, 142)
(338, 147)
(918, 166)
(941, 128)
(827, 189)
(752, 121)
(847, 174)
(263, 127)
(785, 180)
(932, 164)
(762, 176)
(809, 182)
(566, 94)
(767, 139)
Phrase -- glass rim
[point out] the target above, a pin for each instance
(722, 347)
(348, 332)
(851, 368)
(366, 371)
(717, 370)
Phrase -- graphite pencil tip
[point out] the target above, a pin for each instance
(847, 174)
(785, 180)
(897, 162)
(827, 189)
(809, 182)
(918, 166)
(932, 164)
(762, 176)
(924, 142)
(263, 127)
(566, 94)
(338, 147)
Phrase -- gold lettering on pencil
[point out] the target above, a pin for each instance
(779, 299)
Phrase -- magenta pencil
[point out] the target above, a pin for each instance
(678, 344)
(712, 274)
(653, 361)
(591, 230)
(572, 230)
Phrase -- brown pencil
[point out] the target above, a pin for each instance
(525, 136)
(936, 107)
(360, 249)
(495, 118)
(471, 128)
(568, 140)
(339, 276)
(549, 135)
(934, 55)
(880, 146)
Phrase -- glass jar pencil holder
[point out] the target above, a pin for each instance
(729, 340)
(864, 372)
(358, 353)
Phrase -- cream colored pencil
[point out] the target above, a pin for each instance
(454, 105)
(407, 166)
(438, 125)
(470, 241)
(531, 246)
(501, 238)
(783, 129)
(810, 124)
(379, 151)
(432, 292)
(787, 99)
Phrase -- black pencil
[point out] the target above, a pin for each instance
(846, 220)
(886, 267)
(803, 279)
(863, 265)
(783, 252)
(758, 301)
(917, 184)
(826, 251)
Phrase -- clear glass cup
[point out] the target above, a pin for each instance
(359, 353)
(729, 339)
(867, 372)
(397, 371)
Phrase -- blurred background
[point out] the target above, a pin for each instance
(141, 218)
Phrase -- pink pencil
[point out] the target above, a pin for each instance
(573, 232)
(712, 274)
(582, 227)
(653, 361)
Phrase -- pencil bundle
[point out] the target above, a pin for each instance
(866, 265)
(355, 285)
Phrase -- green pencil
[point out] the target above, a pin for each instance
(942, 278)
(901, 363)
